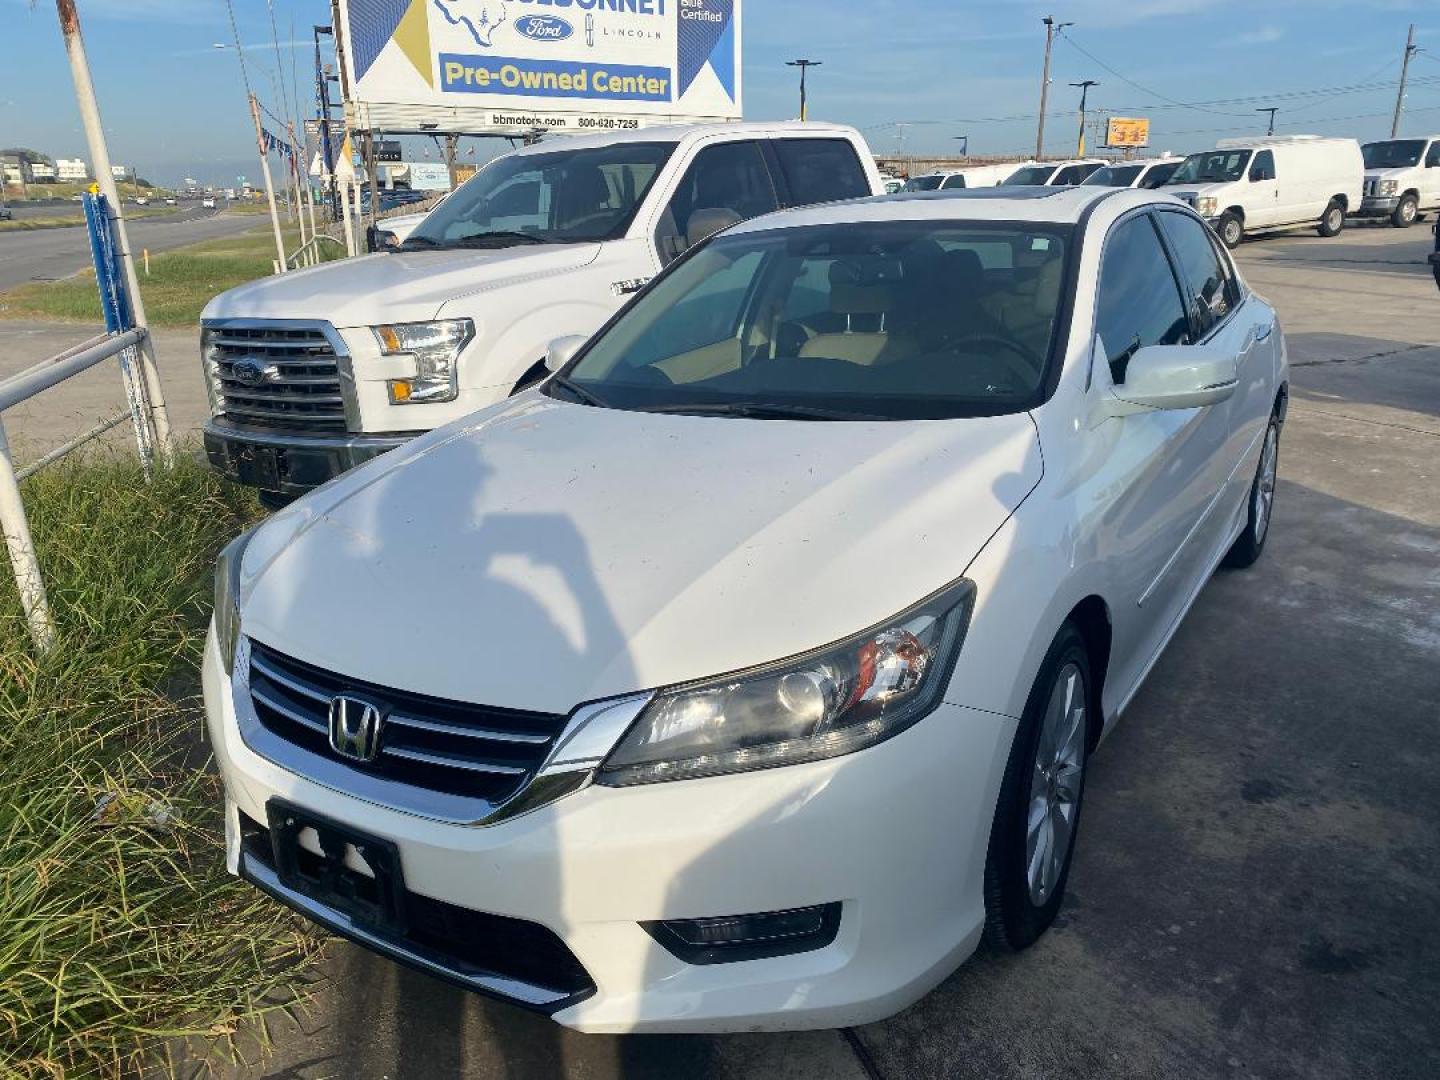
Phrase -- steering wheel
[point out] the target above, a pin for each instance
(1028, 363)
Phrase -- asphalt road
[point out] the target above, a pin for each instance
(1256, 891)
(48, 254)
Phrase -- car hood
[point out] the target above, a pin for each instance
(397, 287)
(539, 554)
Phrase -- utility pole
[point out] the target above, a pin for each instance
(1272, 110)
(451, 142)
(322, 94)
(1410, 50)
(1051, 29)
(802, 65)
(1084, 88)
(105, 181)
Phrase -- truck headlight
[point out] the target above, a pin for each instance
(833, 701)
(210, 363)
(1389, 187)
(436, 348)
(1206, 205)
(227, 598)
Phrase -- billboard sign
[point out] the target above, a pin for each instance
(1126, 132)
(506, 66)
(427, 176)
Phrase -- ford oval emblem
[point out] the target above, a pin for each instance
(543, 27)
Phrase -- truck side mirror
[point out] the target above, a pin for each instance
(562, 350)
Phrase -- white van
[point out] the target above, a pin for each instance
(1273, 182)
(312, 372)
(975, 176)
(1402, 179)
(1053, 173)
(1146, 173)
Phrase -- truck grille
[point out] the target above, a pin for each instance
(450, 747)
(274, 376)
(1372, 186)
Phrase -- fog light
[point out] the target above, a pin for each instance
(729, 938)
(399, 391)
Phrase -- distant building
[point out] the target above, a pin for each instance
(42, 172)
(15, 169)
(69, 169)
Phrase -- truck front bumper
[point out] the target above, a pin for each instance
(1378, 205)
(290, 463)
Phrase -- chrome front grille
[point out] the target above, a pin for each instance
(447, 747)
(275, 374)
(1372, 186)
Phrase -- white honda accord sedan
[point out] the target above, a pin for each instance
(745, 674)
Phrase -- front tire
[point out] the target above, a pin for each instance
(1407, 213)
(1332, 222)
(1250, 543)
(1033, 836)
(1231, 230)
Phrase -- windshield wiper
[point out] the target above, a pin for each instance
(413, 243)
(499, 238)
(579, 391)
(761, 410)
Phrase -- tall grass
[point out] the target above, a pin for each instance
(119, 927)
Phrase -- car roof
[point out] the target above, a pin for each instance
(1057, 205)
(678, 133)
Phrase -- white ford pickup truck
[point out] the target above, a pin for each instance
(312, 372)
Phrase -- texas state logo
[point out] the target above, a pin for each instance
(482, 22)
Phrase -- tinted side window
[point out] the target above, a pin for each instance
(821, 170)
(1263, 167)
(728, 177)
(1159, 175)
(1432, 156)
(1201, 272)
(951, 182)
(1139, 303)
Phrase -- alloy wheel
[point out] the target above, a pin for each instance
(1056, 778)
(1265, 482)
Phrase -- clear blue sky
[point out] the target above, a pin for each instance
(174, 106)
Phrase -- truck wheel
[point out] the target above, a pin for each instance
(1332, 221)
(1406, 214)
(1231, 230)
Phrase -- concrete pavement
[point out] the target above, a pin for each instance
(1256, 890)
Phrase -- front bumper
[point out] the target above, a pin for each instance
(896, 833)
(1378, 205)
(289, 463)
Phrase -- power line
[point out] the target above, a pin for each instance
(1126, 79)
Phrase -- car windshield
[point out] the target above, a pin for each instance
(1393, 153)
(923, 183)
(565, 196)
(881, 320)
(1113, 176)
(1212, 167)
(1030, 174)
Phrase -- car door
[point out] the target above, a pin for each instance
(726, 182)
(1156, 469)
(1221, 319)
(1265, 196)
(1430, 177)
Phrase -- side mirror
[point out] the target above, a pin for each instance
(1176, 377)
(706, 222)
(562, 350)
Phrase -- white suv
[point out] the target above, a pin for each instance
(746, 673)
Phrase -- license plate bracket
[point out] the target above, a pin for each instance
(376, 901)
(256, 466)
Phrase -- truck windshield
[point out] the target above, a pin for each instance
(877, 320)
(1113, 176)
(1212, 167)
(1393, 153)
(923, 183)
(565, 196)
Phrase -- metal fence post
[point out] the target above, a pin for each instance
(22, 552)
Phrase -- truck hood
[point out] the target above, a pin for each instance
(403, 287)
(539, 554)
(1398, 173)
(1190, 192)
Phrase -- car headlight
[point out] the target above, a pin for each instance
(436, 348)
(1206, 205)
(227, 598)
(210, 363)
(1389, 187)
(833, 701)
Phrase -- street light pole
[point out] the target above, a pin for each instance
(1272, 110)
(964, 144)
(1051, 29)
(802, 65)
(1084, 88)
